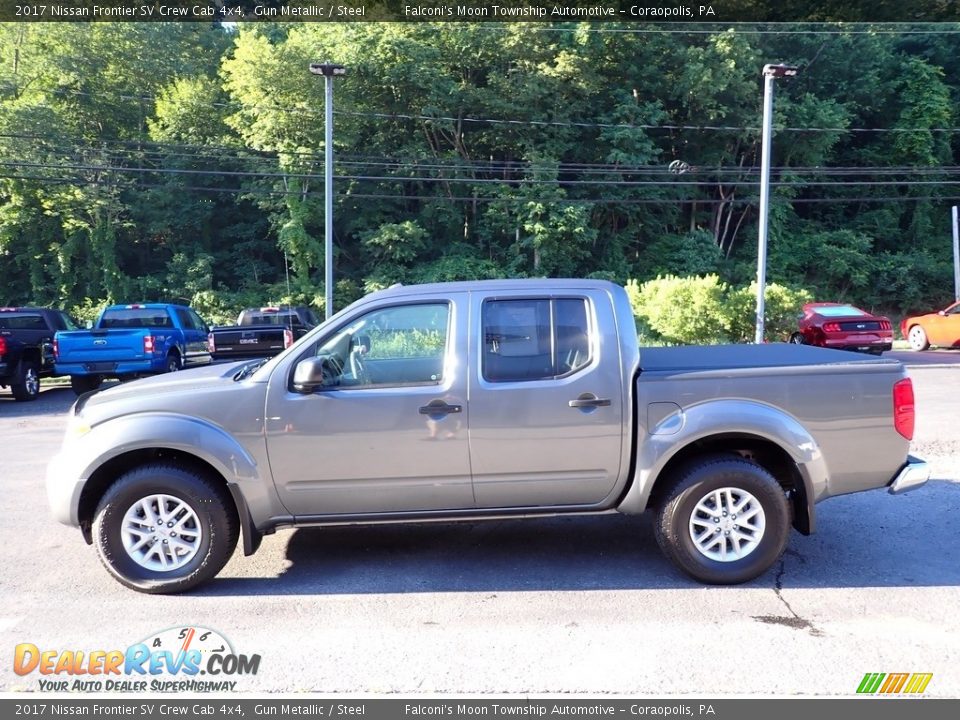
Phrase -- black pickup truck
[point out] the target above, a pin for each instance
(261, 332)
(26, 347)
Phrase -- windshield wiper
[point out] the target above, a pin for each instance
(247, 369)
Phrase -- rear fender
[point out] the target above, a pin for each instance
(657, 445)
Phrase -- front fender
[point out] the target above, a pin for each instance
(81, 457)
(659, 443)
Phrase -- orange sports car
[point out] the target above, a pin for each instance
(939, 328)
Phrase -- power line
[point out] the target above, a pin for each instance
(473, 181)
(489, 199)
(138, 150)
(780, 29)
(526, 123)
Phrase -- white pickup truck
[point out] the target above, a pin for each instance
(482, 400)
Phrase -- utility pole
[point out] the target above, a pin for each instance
(329, 71)
(956, 255)
(770, 72)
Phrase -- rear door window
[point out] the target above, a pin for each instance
(534, 339)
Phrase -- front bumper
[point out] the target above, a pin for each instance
(912, 475)
(63, 489)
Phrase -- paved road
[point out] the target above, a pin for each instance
(928, 357)
(546, 606)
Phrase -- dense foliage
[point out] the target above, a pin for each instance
(185, 161)
(704, 309)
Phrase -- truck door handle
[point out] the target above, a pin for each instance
(588, 400)
(439, 407)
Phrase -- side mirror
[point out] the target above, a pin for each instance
(942, 313)
(308, 375)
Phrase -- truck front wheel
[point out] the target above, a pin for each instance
(163, 528)
(725, 520)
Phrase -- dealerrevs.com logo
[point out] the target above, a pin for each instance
(180, 659)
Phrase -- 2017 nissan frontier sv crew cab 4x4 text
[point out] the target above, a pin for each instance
(482, 400)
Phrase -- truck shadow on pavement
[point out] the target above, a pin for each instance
(55, 400)
(865, 540)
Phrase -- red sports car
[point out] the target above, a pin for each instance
(939, 328)
(844, 327)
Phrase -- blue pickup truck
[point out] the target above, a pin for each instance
(132, 340)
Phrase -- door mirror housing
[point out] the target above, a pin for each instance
(308, 375)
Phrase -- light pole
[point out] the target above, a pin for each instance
(770, 72)
(956, 254)
(329, 71)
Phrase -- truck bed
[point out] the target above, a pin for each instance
(751, 357)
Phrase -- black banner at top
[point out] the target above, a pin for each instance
(705, 11)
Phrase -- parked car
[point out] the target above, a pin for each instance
(26, 347)
(843, 327)
(940, 328)
(261, 332)
(128, 341)
(482, 400)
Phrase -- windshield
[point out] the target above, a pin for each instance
(22, 321)
(135, 318)
(838, 311)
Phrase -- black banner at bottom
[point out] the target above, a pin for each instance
(540, 707)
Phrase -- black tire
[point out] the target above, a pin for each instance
(26, 381)
(85, 383)
(693, 483)
(798, 339)
(173, 363)
(210, 503)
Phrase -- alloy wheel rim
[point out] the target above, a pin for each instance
(161, 533)
(727, 524)
(32, 382)
(916, 336)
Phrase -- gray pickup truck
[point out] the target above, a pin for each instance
(492, 399)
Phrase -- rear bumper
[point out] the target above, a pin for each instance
(862, 344)
(912, 475)
(112, 368)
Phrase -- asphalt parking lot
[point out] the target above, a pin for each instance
(579, 605)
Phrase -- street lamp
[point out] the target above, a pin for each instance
(770, 72)
(329, 71)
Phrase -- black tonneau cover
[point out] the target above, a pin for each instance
(730, 357)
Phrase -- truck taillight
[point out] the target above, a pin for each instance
(287, 337)
(903, 408)
(56, 349)
(831, 327)
(148, 344)
(3, 346)
(211, 343)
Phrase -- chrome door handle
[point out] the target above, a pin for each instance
(588, 400)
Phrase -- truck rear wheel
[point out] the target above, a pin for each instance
(26, 382)
(724, 521)
(173, 363)
(164, 529)
(85, 383)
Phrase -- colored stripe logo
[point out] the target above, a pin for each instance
(894, 683)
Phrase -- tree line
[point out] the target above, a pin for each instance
(165, 161)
